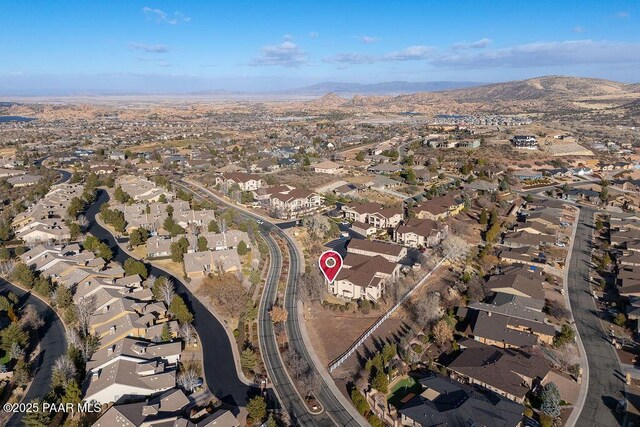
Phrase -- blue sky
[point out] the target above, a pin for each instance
(164, 46)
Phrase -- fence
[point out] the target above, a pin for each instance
(366, 334)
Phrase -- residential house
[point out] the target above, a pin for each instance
(389, 251)
(439, 207)
(245, 181)
(509, 373)
(416, 232)
(442, 401)
(364, 276)
(327, 167)
(201, 264)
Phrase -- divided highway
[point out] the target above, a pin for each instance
(335, 412)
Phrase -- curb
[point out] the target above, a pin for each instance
(232, 341)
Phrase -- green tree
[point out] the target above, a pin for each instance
(166, 332)
(138, 236)
(619, 319)
(74, 230)
(43, 286)
(213, 227)
(133, 266)
(359, 401)
(483, 217)
(5, 254)
(75, 207)
(72, 393)
(550, 397)
(23, 274)
(257, 409)
(178, 249)
(360, 156)
(380, 381)
(248, 359)
(121, 196)
(494, 217)
(389, 351)
(410, 176)
(202, 243)
(179, 310)
(37, 418)
(242, 248)
(566, 335)
(162, 198)
(13, 334)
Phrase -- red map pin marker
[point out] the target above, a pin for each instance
(330, 264)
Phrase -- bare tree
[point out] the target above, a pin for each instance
(567, 356)
(64, 370)
(73, 339)
(16, 352)
(442, 332)
(83, 222)
(428, 309)
(6, 267)
(167, 290)
(397, 288)
(150, 281)
(188, 379)
(311, 287)
(84, 309)
(31, 319)
(362, 380)
(187, 333)
(297, 365)
(310, 383)
(318, 225)
(90, 344)
(455, 248)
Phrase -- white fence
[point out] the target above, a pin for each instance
(340, 360)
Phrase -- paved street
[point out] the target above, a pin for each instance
(53, 344)
(219, 363)
(336, 412)
(605, 380)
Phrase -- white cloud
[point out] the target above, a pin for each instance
(578, 29)
(149, 48)
(285, 54)
(314, 34)
(570, 52)
(479, 44)
(623, 14)
(411, 53)
(369, 39)
(160, 15)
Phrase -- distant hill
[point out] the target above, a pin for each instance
(384, 88)
(540, 94)
(541, 87)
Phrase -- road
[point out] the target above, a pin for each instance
(219, 364)
(335, 411)
(53, 344)
(605, 380)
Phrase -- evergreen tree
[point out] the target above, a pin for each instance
(257, 409)
(483, 217)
